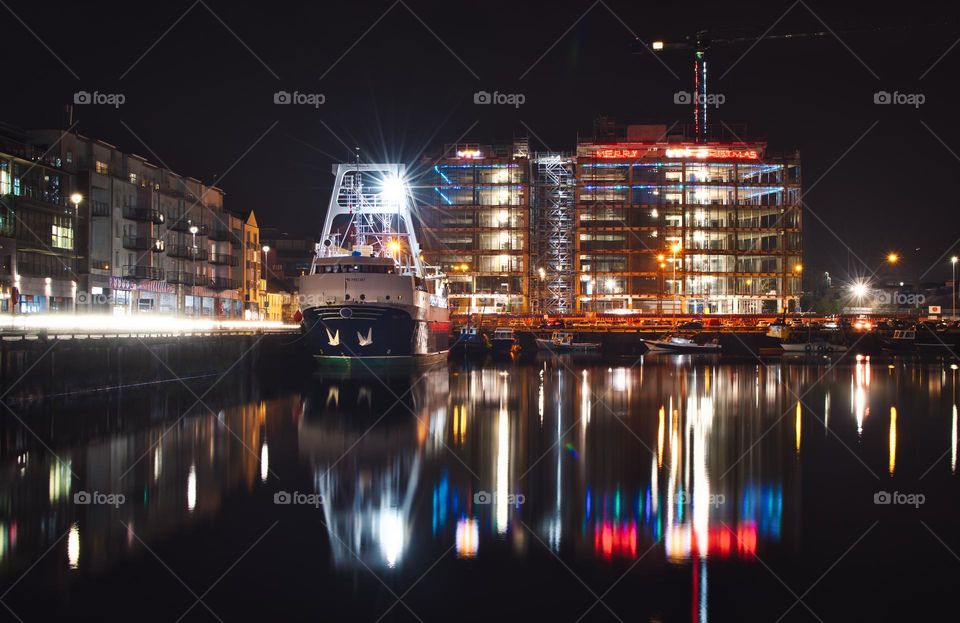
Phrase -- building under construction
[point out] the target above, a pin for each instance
(640, 219)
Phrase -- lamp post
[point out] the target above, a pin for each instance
(263, 276)
(193, 231)
(75, 199)
(953, 263)
(798, 271)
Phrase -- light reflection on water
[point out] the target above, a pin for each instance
(676, 460)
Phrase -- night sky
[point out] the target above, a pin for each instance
(199, 80)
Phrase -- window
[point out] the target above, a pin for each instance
(101, 167)
(61, 233)
(133, 178)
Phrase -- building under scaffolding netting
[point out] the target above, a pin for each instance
(665, 224)
(641, 219)
(475, 214)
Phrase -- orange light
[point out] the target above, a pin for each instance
(893, 258)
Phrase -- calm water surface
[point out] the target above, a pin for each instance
(666, 489)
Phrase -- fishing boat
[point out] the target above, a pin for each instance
(902, 341)
(368, 297)
(560, 342)
(682, 344)
(504, 340)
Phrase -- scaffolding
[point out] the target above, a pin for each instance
(554, 185)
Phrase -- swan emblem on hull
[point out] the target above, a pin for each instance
(333, 339)
(366, 341)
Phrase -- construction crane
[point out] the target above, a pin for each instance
(699, 43)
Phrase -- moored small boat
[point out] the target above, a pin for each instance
(682, 344)
(563, 343)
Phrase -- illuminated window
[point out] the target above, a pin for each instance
(133, 178)
(101, 167)
(61, 233)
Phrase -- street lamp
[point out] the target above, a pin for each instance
(893, 258)
(193, 230)
(75, 199)
(953, 263)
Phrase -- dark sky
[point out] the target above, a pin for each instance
(199, 80)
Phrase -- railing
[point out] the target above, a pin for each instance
(100, 208)
(143, 272)
(178, 222)
(219, 233)
(223, 283)
(184, 278)
(134, 243)
(143, 214)
(224, 259)
(187, 252)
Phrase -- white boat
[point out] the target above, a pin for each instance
(682, 344)
(561, 342)
(368, 297)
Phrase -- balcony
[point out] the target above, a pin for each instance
(146, 215)
(179, 222)
(143, 273)
(222, 283)
(135, 243)
(183, 278)
(187, 252)
(220, 234)
(224, 259)
(100, 208)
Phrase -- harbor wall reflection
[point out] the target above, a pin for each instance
(155, 474)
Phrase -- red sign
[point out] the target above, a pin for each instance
(691, 152)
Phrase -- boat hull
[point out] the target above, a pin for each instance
(372, 332)
(656, 345)
(813, 348)
(576, 347)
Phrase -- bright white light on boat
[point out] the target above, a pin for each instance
(392, 189)
(859, 289)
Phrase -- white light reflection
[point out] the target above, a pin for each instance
(264, 462)
(192, 488)
(391, 535)
(893, 440)
(953, 442)
(73, 546)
